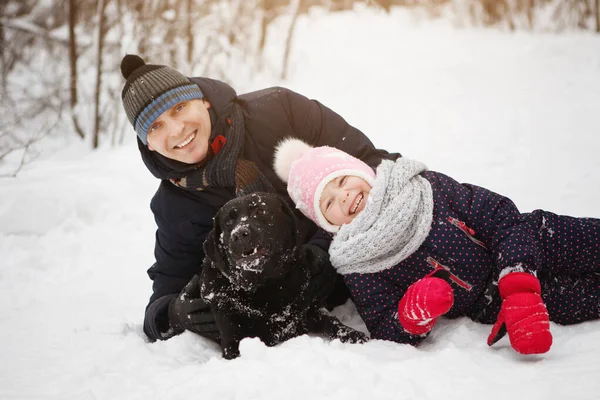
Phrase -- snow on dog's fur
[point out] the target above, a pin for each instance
(257, 272)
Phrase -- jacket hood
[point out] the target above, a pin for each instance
(219, 95)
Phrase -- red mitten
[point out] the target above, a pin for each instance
(522, 314)
(423, 302)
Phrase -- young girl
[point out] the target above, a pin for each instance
(413, 245)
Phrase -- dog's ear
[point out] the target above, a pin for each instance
(300, 224)
(212, 247)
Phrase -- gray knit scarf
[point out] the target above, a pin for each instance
(393, 224)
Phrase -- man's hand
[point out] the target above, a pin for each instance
(322, 278)
(189, 311)
(523, 315)
(424, 301)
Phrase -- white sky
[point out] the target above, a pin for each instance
(517, 113)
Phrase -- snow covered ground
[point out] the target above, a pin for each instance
(517, 113)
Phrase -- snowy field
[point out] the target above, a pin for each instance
(517, 113)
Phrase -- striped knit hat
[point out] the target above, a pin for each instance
(151, 90)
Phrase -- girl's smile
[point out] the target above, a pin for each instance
(343, 199)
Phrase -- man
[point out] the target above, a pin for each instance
(209, 145)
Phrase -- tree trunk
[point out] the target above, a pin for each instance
(170, 38)
(386, 5)
(72, 18)
(597, 14)
(267, 17)
(99, 48)
(508, 14)
(296, 6)
(117, 135)
(190, 34)
(237, 14)
(3, 59)
(530, 13)
(142, 29)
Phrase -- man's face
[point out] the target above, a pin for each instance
(182, 132)
(343, 199)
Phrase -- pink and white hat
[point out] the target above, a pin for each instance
(307, 170)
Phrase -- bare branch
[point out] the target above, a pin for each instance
(27, 146)
(297, 6)
(25, 26)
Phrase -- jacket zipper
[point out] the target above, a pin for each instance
(438, 266)
(468, 231)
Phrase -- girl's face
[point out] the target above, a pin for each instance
(343, 198)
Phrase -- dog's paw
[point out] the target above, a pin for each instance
(352, 336)
(231, 352)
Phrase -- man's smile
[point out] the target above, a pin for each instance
(186, 141)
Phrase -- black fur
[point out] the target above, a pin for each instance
(257, 276)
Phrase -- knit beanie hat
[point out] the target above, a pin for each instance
(307, 170)
(151, 90)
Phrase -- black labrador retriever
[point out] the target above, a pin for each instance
(258, 276)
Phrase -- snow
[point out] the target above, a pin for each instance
(517, 113)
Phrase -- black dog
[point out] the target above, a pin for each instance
(259, 279)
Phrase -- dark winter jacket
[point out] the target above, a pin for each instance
(184, 218)
(475, 234)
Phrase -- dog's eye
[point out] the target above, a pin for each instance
(260, 211)
(228, 222)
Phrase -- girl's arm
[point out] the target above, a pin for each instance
(492, 219)
(499, 225)
(376, 300)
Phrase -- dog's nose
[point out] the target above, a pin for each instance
(240, 232)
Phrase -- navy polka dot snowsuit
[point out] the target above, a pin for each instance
(475, 234)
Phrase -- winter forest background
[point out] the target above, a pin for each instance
(503, 94)
(69, 50)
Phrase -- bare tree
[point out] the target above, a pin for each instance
(385, 4)
(100, 32)
(172, 31)
(72, 18)
(572, 13)
(529, 11)
(597, 14)
(268, 13)
(296, 6)
(4, 72)
(189, 32)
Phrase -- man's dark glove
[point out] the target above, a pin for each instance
(323, 276)
(189, 311)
